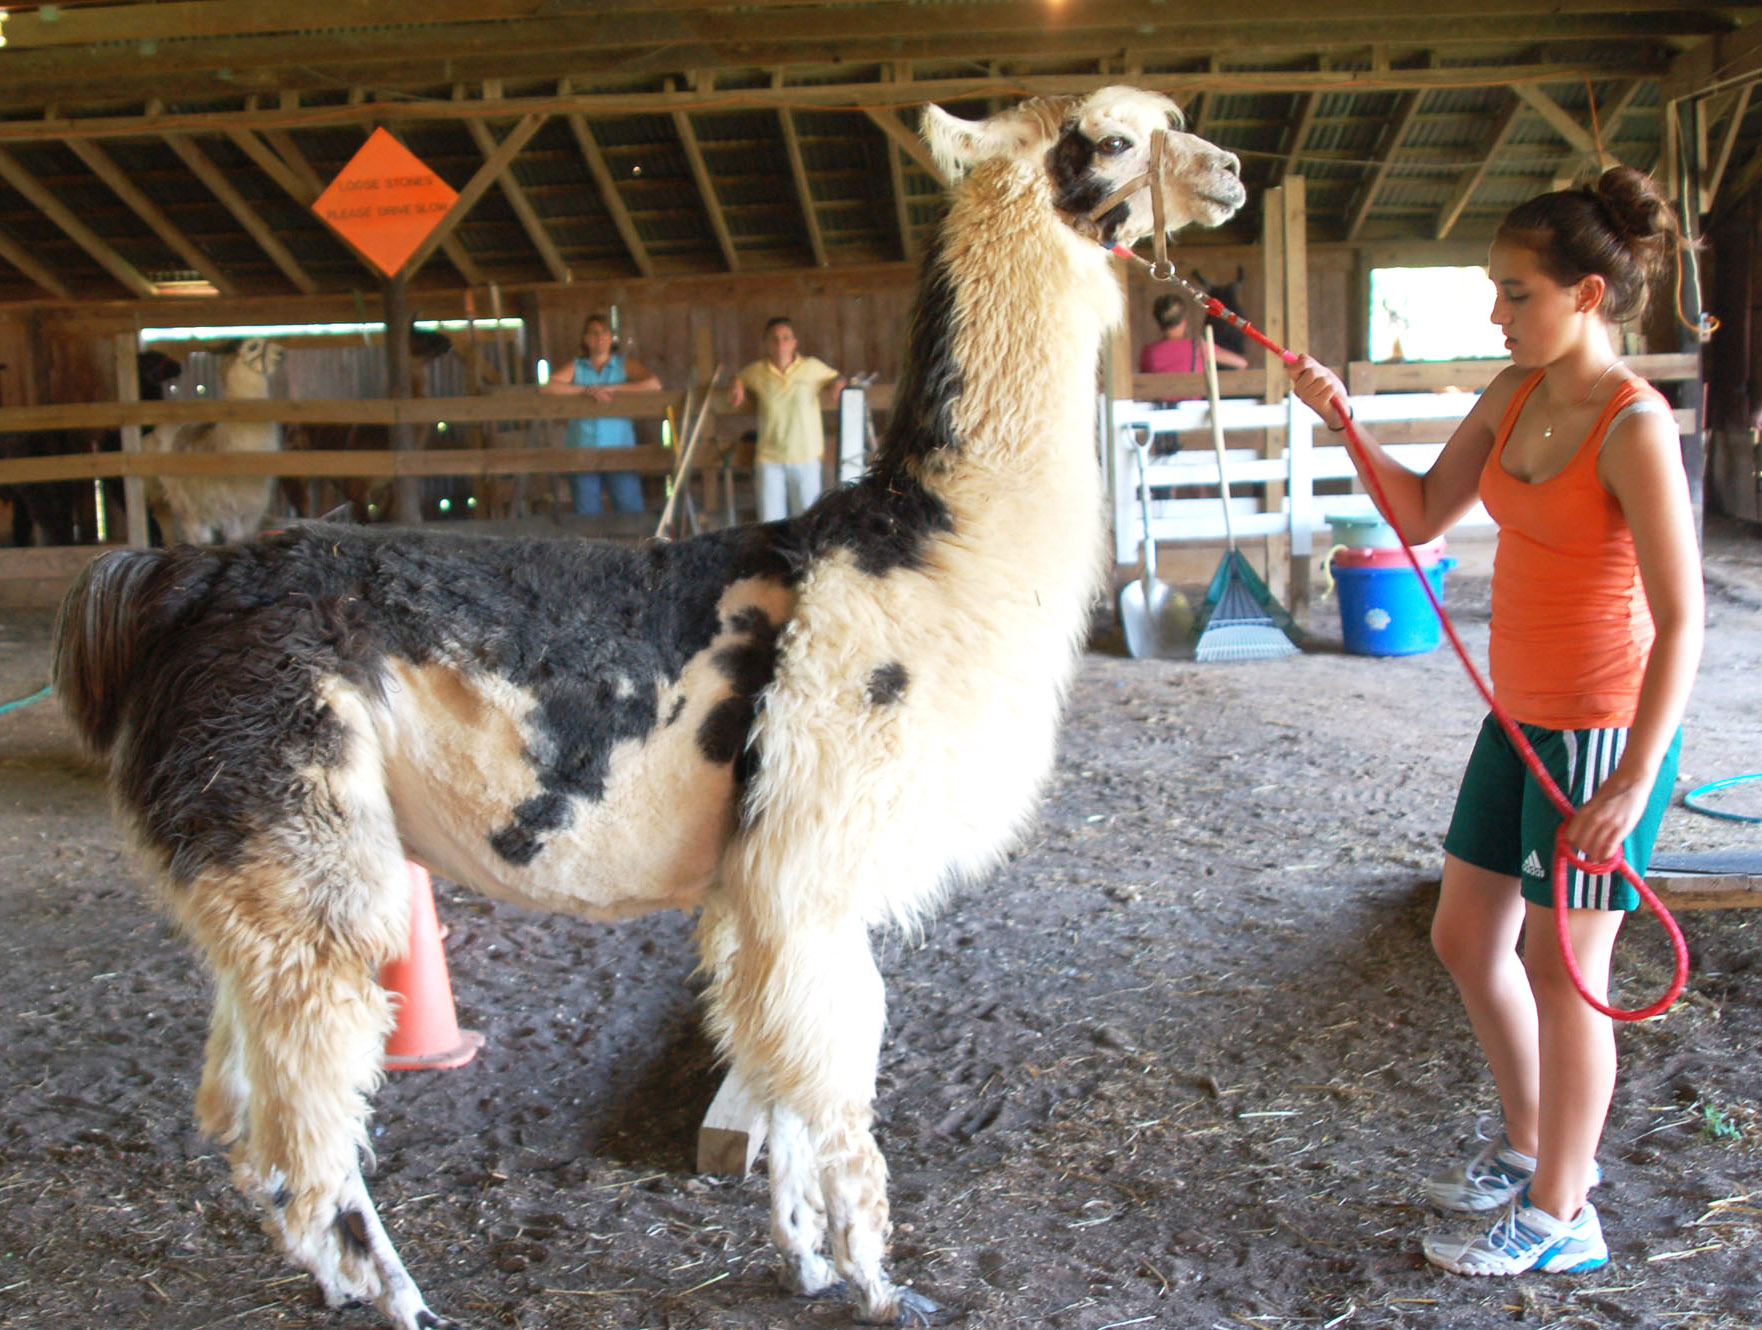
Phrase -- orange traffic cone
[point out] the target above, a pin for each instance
(428, 1033)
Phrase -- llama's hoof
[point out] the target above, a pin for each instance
(836, 1289)
(914, 1309)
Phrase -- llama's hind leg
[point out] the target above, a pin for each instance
(294, 1053)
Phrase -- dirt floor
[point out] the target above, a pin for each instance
(1181, 1062)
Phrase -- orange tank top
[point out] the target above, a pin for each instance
(1571, 629)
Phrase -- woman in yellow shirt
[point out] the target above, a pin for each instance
(786, 390)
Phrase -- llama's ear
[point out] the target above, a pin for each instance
(956, 144)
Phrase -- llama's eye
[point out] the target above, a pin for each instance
(1113, 145)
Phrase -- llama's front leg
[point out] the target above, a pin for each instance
(798, 1211)
(853, 1179)
(803, 1016)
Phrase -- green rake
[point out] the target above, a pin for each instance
(1241, 619)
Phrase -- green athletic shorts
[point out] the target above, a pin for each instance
(1505, 824)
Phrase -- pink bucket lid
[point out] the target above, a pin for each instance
(1393, 557)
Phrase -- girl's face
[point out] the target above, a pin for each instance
(780, 344)
(596, 340)
(1540, 318)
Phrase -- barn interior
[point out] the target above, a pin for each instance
(700, 168)
(1177, 1061)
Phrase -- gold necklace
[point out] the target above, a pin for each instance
(1548, 426)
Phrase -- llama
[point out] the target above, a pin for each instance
(64, 512)
(804, 729)
(203, 510)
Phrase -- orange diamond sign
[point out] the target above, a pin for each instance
(385, 202)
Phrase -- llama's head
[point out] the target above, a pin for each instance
(1093, 146)
(259, 355)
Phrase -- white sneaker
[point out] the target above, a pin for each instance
(1525, 1238)
(1491, 1179)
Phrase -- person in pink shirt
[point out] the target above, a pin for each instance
(1178, 350)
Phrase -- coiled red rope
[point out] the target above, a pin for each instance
(1564, 855)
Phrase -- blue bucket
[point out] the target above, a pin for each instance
(1384, 611)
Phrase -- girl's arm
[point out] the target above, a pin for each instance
(638, 378)
(1424, 506)
(1641, 466)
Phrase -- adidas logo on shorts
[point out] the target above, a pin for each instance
(1532, 866)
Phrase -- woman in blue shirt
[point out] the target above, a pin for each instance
(601, 370)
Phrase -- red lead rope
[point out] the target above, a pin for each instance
(1564, 854)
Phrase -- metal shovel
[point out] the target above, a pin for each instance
(1155, 617)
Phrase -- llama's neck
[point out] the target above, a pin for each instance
(996, 407)
(241, 381)
(1001, 364)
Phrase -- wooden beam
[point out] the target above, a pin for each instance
(802, 95)
(610, 199)
(234, 202)
(1727, 141)
(706, 187)
(1729, 57)
(1471, 179)
(1306, 104)
(13, 172)
(732, 1132)
(908, 239)
(1562, 121)
(26, 262)
(804, 193)
(1609, 120)
(1405, 114)
(521, 204)
(77, 25)
(486, 175)
(128, 390)
(100, 165)
(910, 144)
(561, 42)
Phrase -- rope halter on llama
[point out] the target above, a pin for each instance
(1163, 270)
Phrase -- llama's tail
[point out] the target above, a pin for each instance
(97, 642)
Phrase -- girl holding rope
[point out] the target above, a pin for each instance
(1596, 636)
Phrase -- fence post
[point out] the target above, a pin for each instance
(134, 488)
(1300, 492)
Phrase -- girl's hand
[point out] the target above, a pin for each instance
(1318, 387)
(1597, 830)
(600, 393)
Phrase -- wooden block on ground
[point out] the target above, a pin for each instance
(732, 1132)
(1706, 891)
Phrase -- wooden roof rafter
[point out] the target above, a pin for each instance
(216, 182)
(32, 267)
(1405, 113)
(475, 188)
(515, 193)
(98, 162)
(1185, 86)
(610, 199)
(700, 172)
(1497, 138)
(1300, 127)
(44, 201)
(804, 191)
(902, 208)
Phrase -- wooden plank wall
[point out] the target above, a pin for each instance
(854, 320)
